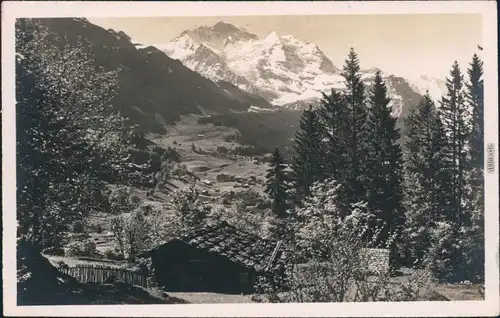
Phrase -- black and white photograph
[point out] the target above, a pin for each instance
(251, 156)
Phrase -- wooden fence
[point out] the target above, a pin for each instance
(101, 274)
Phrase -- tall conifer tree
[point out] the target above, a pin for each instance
(448, 240)
(308, 165)
(333, 114)
(276, 185)
(475, 100)
(384, 161)
(354, 97)
(425, 177)
(453, 113)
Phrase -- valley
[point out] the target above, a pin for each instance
(199, 148)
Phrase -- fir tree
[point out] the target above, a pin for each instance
(425, 177)
(453, 242)
(333, 114)
(475, 100)
(453, 113)
(276, 185)
(354, 97)
(308, 159)
(384, 161)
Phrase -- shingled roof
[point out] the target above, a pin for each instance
(238, 246)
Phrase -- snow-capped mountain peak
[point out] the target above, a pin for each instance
(423, 84)
(281, 69)
(272, 38)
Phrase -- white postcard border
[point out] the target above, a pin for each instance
(12, 10)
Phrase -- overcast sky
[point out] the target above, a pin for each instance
(405, 45)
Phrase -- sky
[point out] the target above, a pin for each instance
(401, 44)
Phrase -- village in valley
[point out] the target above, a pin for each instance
(148, 175)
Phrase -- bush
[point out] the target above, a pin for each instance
(456, 254)
(132, 233)
(82, 248)
(99, 229)
(264, 204)
(113, 255)
(80, 236)
(95, 227)
(122, 199)
(62, 265)
(145, 266)
(249, 151)
(232, 137)
(172, 154)
(56, 251)
(249, 197)
(78, 227)
(222, 150)
(158, 150)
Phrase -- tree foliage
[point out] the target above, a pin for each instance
(453, 112)
(384, 160)
(308, 164)
(354, 96)
(475, 101)
(333, 114)
(425, 178)
(328, 262)
(444, 185)
(68, 135)
(277, 185)
(143, 228)
(188, 207)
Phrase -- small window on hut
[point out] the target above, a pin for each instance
(244, 278)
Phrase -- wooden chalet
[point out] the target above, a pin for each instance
(217, 258)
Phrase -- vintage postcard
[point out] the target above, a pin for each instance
(250, 159)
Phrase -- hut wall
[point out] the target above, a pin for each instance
(180, 267)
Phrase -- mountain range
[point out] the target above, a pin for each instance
(221, 70)
(281, 68)
(154, 89)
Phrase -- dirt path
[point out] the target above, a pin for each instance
(211, 298)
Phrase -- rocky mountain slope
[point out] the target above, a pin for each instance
(155, 90)
(284, 70)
